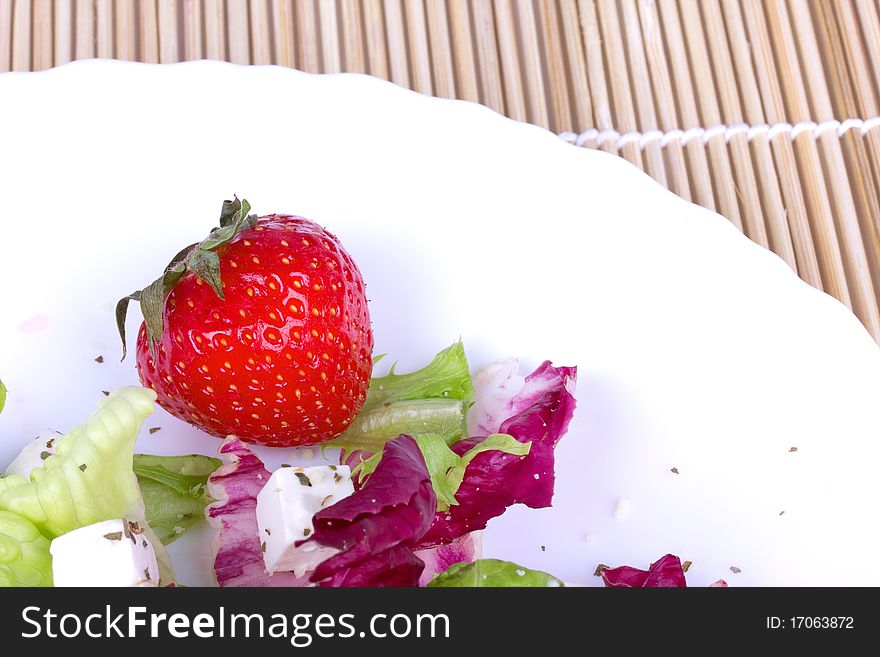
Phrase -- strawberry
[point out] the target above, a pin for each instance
(261, 330)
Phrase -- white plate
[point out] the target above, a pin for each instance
(697, 350)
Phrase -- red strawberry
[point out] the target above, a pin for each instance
(261, 330)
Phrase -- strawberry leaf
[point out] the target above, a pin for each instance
(200, 259)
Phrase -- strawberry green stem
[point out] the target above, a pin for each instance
(201, 259)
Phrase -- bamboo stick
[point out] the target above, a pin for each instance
(192, 30)
(215, 30)
(126, 29)
(463, 50)
(867, 206)
(169, 51)
(331, 56)
(812, 181)
(419, 51)
(238, 32)
(104, 28)
(532, 68)
(487, 55)
(305, 17)
(85, 30)
(820, 108)
(602, 113)
(624, 112)
(841, 92)
(658, 70)
(557, 69)
(21, 35)
(641, 83)
(508, 51)
(63, 50)
(283, 32)
(774, 109)
(441, 48)
(374, 26)
(583, 106)
(353, 36)
(774, 212)
(5, 35)
(871, 139)
(740, 51)
(710, 114)
(697, 162)
(854, 257)
(149, 31)
(41, 48)
(869, 19)
(397, 52)
(261, 40)
(731, 114)
(856, 59)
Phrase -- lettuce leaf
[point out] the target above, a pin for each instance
(238, 555)
(433, 399)
(173, 488)
(492, 572)
(24, 553)
(2, 396)
(90, 477)
(445, 467)
(494, 480)
(665, 572)
(374, 529)
(437, 559)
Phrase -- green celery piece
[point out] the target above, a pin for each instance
(492, 572)
(433, 399)
(24, 553)
(375, 427)
(173, 488)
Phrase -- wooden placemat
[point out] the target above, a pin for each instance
(762, 110)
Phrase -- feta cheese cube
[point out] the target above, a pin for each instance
(108, 553)
(33, 454)
(285, 507)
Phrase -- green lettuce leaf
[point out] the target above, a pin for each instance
(24, 553)
(90, 477)
(492, 572)
(173, 488)
(445, 467)
(2, 396)
(433, 399)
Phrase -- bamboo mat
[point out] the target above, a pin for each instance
(764, 111)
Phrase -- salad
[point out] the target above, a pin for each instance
(260, 335)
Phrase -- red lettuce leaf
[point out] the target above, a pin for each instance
(375, 528)
(238, 557)
(437, 559)
(665, 572)
(539, 413)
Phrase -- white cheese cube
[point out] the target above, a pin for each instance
(33, 454)
(285, 507)
(108, 553)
